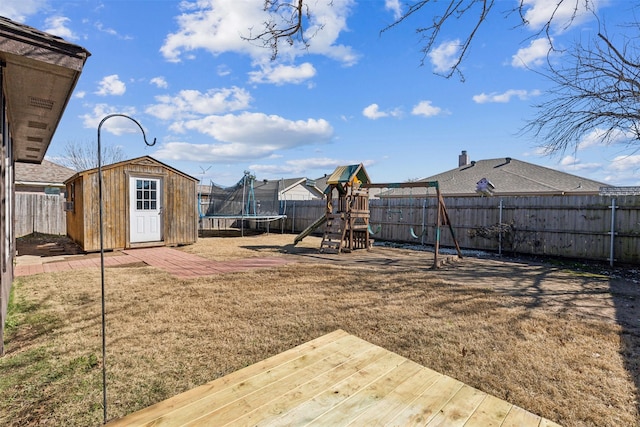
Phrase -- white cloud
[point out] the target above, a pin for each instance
(80, 94)
(281, 74)
(564, 15)
(504, 97)
(568, 160)
(159, 82)
(252, 128)
(444, 56)
(223, 70)
(598, 137)
(111, 85)
(394, 6)
(624, 170)
(57, 25)
(328, 20)
(533, 55)
(573, 164)
(373, 112)
(626, 163)
(189, 104)
(219, 26)
(20, 10)
(424, 108)
(245, 136)
(115, 125)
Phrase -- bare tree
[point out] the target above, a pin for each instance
(82, 156)
(596, 94)
(288, 21)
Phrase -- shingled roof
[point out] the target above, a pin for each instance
(45, 173)
(512, 177)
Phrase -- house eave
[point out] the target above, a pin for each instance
(40, 72)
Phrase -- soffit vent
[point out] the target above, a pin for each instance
(33, 139)
(37, 125)
(47, 104)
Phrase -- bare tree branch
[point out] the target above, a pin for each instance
(596, 89)
(82, 156)
(289, 20)
(286, 22)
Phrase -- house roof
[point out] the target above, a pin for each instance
(45, 173)
(285, 184)
(512, 177)
(40, 72)
(142, 159)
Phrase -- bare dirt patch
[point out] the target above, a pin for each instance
(556, 341)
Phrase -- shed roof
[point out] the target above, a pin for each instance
(40, 72)
(44, 173)
(135, 160)
(513, 177)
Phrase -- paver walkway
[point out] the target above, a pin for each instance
(176, 263)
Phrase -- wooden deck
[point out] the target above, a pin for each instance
(337, 379)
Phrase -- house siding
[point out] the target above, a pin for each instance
(7, 241)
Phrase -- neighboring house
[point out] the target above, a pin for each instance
(145, 203)
(38, 73)
(321, 183)
(46, 177)
(507, 176)
(295, 189)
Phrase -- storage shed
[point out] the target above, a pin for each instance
(145, 203)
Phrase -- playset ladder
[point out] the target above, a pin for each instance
(334, 234)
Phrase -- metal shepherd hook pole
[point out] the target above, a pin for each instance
(104, 340)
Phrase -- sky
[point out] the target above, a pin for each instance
(219, 105)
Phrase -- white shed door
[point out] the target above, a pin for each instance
(145, 209)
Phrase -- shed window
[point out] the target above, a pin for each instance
(146, 195)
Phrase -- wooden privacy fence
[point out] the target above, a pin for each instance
(40, 213)
(583, 227)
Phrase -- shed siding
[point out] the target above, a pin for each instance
(179, 222)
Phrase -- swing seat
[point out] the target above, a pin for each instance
(371, 231)
(416, 236)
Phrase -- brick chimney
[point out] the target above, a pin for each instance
(463, 159)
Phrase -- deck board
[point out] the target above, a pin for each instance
(337, 379)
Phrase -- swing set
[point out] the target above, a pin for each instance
(442, 216)
(390, 211)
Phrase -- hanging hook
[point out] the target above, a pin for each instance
(104, 339)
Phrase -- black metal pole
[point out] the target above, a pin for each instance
(100, 209)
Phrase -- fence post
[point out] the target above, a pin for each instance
(613, 230)
(500, 229)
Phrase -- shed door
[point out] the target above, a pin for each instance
(146, 209)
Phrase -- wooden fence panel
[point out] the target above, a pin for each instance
(40, 213)
(567, 226)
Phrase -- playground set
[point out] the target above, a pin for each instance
(347, 214)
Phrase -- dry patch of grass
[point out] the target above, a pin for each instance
(167, 335)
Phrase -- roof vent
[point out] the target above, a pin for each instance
(473, 162)
(508, 159)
